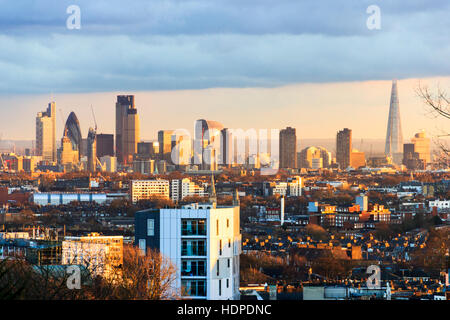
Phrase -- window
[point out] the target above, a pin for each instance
(228, 223)
(228, 262)
(192, 227)
(228, 283)
(220, 247)
(217, 227)
(192, 268)
(193, 248)
(150, 227)
(218, 267)
(229, 243)
(142, 245)
(220, 287)
(194, 287)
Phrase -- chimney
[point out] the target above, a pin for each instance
(435, 211)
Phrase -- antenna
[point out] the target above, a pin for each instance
(95, 122)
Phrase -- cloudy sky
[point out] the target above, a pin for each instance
(313, 65)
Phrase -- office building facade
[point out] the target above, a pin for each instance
(46, 133)
(288, 148)
(127, 129)
(422, 146)
(344, 148)
(207, 136)
(165, 144)
(105, 145)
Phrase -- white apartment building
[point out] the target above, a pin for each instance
(101, 255)
(444, 204)
(181, 188)
(204, 243)
(292, 188)
(148, 189)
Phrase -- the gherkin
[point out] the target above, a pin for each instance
(73, 132)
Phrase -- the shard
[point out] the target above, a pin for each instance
(394, 136)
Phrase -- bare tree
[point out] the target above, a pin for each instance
(149, 276)
(439, 106)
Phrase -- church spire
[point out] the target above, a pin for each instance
(236, 201)
(212, 195)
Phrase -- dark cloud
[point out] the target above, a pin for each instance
(151, 45)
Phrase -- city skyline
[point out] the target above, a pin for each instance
(155, 109)
(227, 150)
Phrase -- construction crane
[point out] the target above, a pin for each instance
(95, 122)
(103, 167)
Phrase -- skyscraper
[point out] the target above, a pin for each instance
(411, 158)
(68, 156)
(344, 148)
(288, 148)
(127, 129)
(165, 144)
(91, 151)
(207, 143)
(394, 136)
(422, 146)
(105, 145)
(226, 147)
(46, 133)
(73, 132)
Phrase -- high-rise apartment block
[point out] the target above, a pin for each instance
(127, 129)
(102, 255)
(203, 241)
(46, 133)
(290, 188)
(149, 189)
(344, 148)
(288, 148)
(182, 188)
